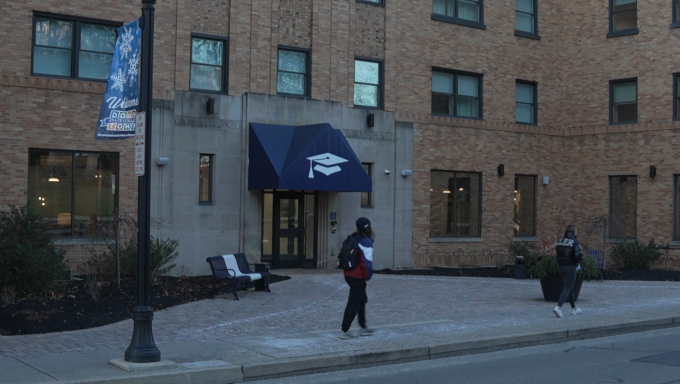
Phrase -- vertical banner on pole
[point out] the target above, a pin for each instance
(121, 99)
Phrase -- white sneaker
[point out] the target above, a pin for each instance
(575, 311)
(366, 332)
(557, 311)
(347, 335)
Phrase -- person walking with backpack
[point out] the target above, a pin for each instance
(357, 278)
(569, 255)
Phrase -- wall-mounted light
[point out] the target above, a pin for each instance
(211, 106)
(652, 171)
(161, 161)
(546, 180)
(447, 191)
(406, 172)
(501, 169)
(370, 120)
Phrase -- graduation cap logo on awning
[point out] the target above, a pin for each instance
(329, 162)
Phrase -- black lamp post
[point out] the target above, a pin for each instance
(142, 348)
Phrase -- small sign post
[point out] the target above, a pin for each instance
(140, 125)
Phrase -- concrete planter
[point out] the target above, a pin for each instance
(552, 287)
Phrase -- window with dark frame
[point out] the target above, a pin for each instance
(367, 197)
(205, 177)
(622, 17)
(368, 87)
(676, 14)
(676, 96)
(73, 191)
(525, 103)
(455, 204)
(208, 64)
(526, 20)
(466, 12)
(293, 72)
(456, 94)
(676, 208)
(73, 47)
(623, 207)
(623, 101)
(525, 206)
(375, 2)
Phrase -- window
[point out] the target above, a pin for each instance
(525, 103)
(367, 83)
(208, 64)
(205, 179)
(367, 197)
(676, 96)
(376, 2)
(622, 18)
(623, 207)
(455, 204)
(623, 105)
(676, 14)
(456, 94)
(676, 208)
(293, 74)
(74, 192)
(465, 12)
(526, 21)
(525, 206)
(73, 47)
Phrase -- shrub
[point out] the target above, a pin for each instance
(162, 255)
(635, 255)
(543, 265)
(521, 248)
(28, 258)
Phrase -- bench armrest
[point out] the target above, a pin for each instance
(231, 272)
(260, 267)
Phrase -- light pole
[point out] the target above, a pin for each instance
(142, 348)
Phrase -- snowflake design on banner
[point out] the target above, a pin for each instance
(125, 45)
(133, 68)
(119, 80)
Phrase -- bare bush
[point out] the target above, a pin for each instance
(183, 271)
(9, 293)
(92, 285)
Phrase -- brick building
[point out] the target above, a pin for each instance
(479, 122)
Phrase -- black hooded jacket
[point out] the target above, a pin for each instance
(569, 251)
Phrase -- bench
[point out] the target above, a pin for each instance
(596, 255)
(235, 269)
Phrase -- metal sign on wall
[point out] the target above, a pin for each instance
(140, 138)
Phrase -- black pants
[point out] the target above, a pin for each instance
(568, 275)
(356, 303)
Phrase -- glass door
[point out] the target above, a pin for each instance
(288, 228)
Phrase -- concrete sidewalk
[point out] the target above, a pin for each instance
(293, 330)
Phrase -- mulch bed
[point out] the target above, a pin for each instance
(73, 308)
(508, 271)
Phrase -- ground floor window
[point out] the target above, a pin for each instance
(623, 207)
(73, 191)
(525, 206)
(455, 204)
(367, 197)
(676, 208)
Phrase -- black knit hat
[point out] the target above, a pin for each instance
(363, 223)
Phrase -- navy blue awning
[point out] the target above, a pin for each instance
(309, 157)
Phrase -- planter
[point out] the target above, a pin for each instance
(552, 287)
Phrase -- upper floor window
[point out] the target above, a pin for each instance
(456, 94)
(526, 20)
(293, 72)
(368, 83)
(622, 18)
(465, 12)
(623, 105)
(208, 64)
(74, 192)
(205, 179)
(676, 14)
(376, 2)
(525, 102)
(73, 47)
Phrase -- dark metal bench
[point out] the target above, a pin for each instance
(235, 269)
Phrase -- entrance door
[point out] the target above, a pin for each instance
(288, 229)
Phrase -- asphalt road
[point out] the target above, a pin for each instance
(648, 357)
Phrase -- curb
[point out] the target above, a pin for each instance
(230, 373)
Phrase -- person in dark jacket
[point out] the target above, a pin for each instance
(357, 279)
(569, 255)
